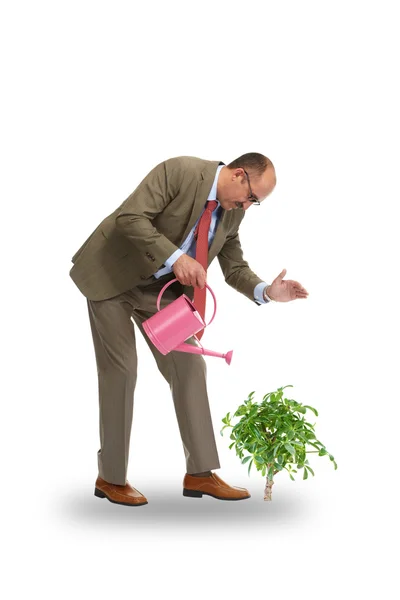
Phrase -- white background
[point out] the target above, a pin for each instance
(94, 94)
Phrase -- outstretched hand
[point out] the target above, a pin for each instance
(284, 291)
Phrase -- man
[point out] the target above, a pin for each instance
(120, 269)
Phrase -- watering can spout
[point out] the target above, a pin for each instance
(197, 350)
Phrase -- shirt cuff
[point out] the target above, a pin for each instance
(258, 292)
(173, 258)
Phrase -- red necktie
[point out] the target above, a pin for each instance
(201, 234)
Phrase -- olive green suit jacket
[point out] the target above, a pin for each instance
(132, 243)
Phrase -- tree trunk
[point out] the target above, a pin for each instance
(268, 489)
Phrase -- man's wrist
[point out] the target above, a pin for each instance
(173, 258)
(267, 296)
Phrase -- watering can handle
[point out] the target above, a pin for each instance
(207, 286)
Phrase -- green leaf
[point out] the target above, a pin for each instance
(290, 449)
(311, 408)
(291, 476)
(310, 469)
(250, 463)
(256, 433)
(305, 474)
(246, 459)
(233, 443)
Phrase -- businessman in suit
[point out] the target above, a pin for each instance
(120, 269)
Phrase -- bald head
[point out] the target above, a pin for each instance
(255, 178)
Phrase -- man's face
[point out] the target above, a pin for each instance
(234, 190)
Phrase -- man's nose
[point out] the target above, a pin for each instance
(241, 204)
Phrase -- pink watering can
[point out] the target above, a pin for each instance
(170, 327)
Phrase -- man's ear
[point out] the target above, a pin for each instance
(238, 173)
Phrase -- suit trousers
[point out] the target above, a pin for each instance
(112, 324)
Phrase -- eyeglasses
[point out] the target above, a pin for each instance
(251, 196)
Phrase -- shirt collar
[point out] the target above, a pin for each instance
(213, 192)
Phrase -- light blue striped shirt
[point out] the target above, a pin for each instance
(189, 245)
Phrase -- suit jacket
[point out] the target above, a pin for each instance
(132, 243)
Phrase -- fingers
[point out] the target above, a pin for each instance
(200, 281)
(279, 277)
(296, 285)
(301, 292)
(201, 278)
(190, 273)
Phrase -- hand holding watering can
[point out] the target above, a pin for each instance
(189, 271)
(170, 327)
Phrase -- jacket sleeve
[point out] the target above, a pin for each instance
(236, 270)
(135, 215)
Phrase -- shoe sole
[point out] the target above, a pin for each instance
(197, 494)
(101, 494)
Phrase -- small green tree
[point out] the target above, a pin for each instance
(275, 436)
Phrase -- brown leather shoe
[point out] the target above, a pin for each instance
(119, 494)
(213, 486)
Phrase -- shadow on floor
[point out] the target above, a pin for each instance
(169, 508)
